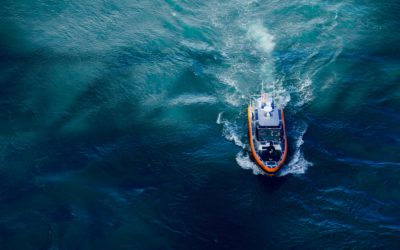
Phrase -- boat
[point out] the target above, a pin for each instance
(267, 133)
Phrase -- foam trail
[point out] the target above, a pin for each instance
(265, 43)
(192, 99)
(298, 164)
(243, 160)
(230, 131)
(305, 90)
(219, 118)
(233, 94)
(263, 39)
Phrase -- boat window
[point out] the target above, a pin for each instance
(268, 135)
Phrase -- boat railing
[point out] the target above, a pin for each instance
(277, 101)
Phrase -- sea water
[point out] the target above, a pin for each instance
(123, 124)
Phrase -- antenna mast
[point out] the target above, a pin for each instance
(262, 87)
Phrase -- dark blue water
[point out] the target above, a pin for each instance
(123, 124)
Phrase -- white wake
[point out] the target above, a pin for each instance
(297, 164)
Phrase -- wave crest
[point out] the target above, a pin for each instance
(298, 164)
(244, 161)
(230, 131)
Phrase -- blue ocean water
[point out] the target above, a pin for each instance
(123, 124)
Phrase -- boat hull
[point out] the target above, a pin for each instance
(257, 158)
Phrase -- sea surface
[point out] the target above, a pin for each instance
(123, 124)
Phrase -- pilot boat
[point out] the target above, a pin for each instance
(267, 133)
